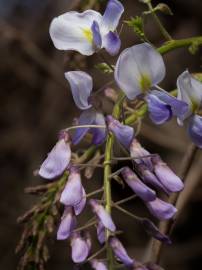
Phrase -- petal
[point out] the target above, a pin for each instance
(142, 191)
(99, 134)
(195, 130)
(78, 208)
(80, 248)
(161, 210)
(72, 31)
(139, 154)
(81, 86)
(189, 91)
(149, 178)
(86, 118)
(97, 39)
(166, 176)
(57, 161)
(98, 265)
(73, 191)
(159, 111)
(67, 224)
(123, 133)
(101, 233)
(112, 15)
(112, 43)
(138, 68)
(120, 252)
(103, 215)
(152, 230)
(179, 108)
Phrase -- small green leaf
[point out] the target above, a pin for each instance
(104, 67)
(137, 25)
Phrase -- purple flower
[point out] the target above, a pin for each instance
(160, 209)
(57, 161)
(67, 224)
(142, 191)
(90, 117)
(135, 71)
(166, 176)
(78, 208)
(101, 233)
(123, 133)
(120, 252)
(73, 193)
(152, 230)
(80, 247)
(195, 130)
(98, 265)
(88, 31)
(103, 216)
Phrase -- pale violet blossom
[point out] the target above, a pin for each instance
(88, 31)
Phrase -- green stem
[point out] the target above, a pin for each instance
(158, 22)
(107, 172)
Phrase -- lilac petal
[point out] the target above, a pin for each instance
(112, 43)
(178, 107)
(159, 111)
(81, 87)
(67, 224)
(101, 233)
(149, 178)
(86, 118)
(99, 134)
(103, 215)
(97, 39)
(123, 133)
(142, 191)
(98, 265)
(160, 209)
(135, 71)
(166, 176)
(120, 252)
(137, 151)
(195, 130)
(57, 161)
(189, 91)
(73, 191)
(112, 15)
(78, 208)
(80, 248)
(152, 230)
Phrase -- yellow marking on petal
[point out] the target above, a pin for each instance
(88, 34)
(145, 82)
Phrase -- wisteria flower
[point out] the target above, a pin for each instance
(67, 224)
(81, 246)
(120, 252)
(103, 216)
(123, 133)
(190, 91)
(101, 233)
(81, 86)
(142, 191)
(98, 265)
(160, 209)
(57, 161)
(88, 31)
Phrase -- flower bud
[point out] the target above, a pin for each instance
(80, 248)
(98, 265)
(67, 224)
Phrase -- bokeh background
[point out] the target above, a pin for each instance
(36, 103)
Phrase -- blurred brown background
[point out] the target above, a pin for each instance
(35, 104)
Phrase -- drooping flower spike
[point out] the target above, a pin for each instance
(103, 216)
(88, 31)
(120, 252)
(58, 159)
(190, 91)
(138, 69)
(67, 224)
(123, 133)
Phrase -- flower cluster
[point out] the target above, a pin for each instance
(138, 71)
